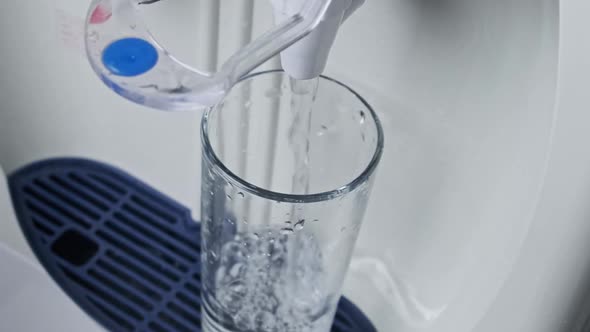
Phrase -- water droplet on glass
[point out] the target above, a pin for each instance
(256, 235)
(245, 221)
(363, 116)
(229, 197)
(316, 220)
(211, 193)
(342, 229)
(288, 222)
(300, 224)
(241, 194)
(133, 26)
(286, 231)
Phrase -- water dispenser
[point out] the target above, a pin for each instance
(476, 219)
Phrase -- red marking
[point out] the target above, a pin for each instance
(101, 14)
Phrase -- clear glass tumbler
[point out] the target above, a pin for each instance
(288, 168)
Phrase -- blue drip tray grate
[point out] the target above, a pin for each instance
(124, 252)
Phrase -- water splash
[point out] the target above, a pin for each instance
(302, 100)
(265, 287)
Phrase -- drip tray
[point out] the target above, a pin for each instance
(124, 252)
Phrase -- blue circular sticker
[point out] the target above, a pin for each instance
(130, 57)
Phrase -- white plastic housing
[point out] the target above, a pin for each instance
(30, 300)
(308, 57)
(454, 239)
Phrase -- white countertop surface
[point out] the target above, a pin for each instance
(29, 299)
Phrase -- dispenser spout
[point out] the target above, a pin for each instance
(307, 58)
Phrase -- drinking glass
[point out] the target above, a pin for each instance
(287, 171)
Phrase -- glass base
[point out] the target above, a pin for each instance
(210, 325)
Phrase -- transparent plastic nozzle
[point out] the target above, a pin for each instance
(129, 60)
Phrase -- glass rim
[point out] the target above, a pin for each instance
(246, 186)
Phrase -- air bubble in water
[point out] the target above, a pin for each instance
(276, 289)
(232, 296)
(232, 252)
(300, 224)
(242, 320)
(287, 231)
(265, 321)
(237, 271)
(241, 194)
(363, 116)
(238, 288)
